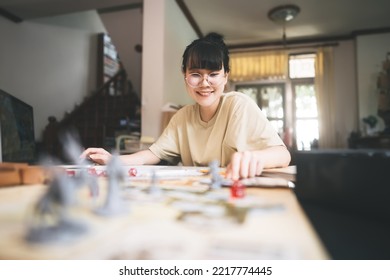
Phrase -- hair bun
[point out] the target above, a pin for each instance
(214, 37)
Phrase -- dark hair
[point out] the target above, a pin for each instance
(209, 52)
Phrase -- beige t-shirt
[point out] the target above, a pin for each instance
(238, 125)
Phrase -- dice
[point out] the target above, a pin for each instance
(237, 190)
(132, 172)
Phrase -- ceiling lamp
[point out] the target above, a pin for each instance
(282, 15)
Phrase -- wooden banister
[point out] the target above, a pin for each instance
(98, 117)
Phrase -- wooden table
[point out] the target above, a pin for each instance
(277, 229)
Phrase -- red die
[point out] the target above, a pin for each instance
(237, 190)
(92, 171)
(132, 172)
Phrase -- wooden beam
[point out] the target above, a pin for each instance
(309, 40)
(189, 17)
(120, 8)
(10, 16)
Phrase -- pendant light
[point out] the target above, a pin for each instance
(282, 15)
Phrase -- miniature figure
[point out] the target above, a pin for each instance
(51, 221)
(216, 178)
(116, 175)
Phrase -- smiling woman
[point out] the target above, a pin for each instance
(225, 127)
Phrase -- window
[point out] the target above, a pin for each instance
(270, 98)
(306, 118)
(290, 104)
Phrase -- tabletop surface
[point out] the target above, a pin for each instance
(183, 219)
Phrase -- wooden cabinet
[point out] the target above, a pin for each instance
(370, 142)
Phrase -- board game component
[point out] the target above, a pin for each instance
(154, 190)
(85, 178)
(21, 174)
(51, 220)
(132, 172)
(216, 178)
(72, 148)
(114, 203)
(237, 190)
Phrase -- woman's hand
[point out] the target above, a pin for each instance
(98, 155)
(244, 165)
(251, 163)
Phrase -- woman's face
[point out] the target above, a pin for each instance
(205, 86)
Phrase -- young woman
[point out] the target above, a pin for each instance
(228, 127)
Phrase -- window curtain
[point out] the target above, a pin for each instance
(325, 94)
(249, 66)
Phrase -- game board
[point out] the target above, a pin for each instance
(187, 176)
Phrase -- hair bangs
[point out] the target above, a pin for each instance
(205, 56)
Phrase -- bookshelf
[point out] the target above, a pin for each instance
(108, 60)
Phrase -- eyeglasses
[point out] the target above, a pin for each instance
(213, 79)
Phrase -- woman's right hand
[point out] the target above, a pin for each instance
(97, 155)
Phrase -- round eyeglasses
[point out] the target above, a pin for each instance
(213, 79)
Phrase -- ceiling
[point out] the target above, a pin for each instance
(241, 22)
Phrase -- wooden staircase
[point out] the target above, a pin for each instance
(112, 109)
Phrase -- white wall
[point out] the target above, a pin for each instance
(49, 63)
(125, 29)
(346, 100)
(166, 33)
(371, 52)
(179, 34)
(152, 66)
